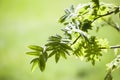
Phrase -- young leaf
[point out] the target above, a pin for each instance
(63, 55)
(54, 43)
(35, 63)
(33, 53)
(52, 53)
(57, 57)
(65, 50)
(35, 47)
(65, 46)
(41, 63)
(55, 38)
(45, 55)
(63, 18)
(67, 11)
(49, 48)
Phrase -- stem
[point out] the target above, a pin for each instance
(109, 13)
(76, 40)
(111, 47)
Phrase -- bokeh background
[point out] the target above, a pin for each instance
(26, 22)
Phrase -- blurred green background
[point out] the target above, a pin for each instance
(26, 22)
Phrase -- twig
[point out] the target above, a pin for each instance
(111, 47)
(76, 40)
(109, 13)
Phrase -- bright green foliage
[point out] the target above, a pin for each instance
(35, 62)
(77, 40)
(90, 49)
(58, 47)
(41, 58)
(42, 62)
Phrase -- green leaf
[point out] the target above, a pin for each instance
(52, 53)
(55, 38)
(45, 55)
(42, 63)
(65, 50)
(49, 48)
(63, 55)
(35, 63)
(63, 18)
(67, 11)
(65, 46)
(67, 41)
(57, 57)
(52, 44)
(67, 14)
(33, 53)
(35, 47)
